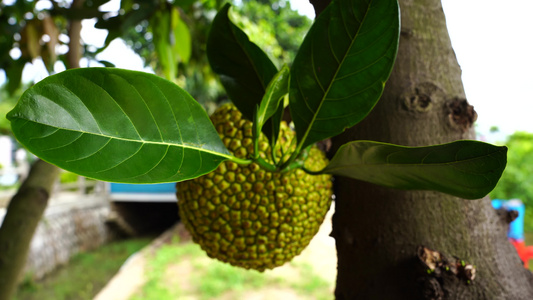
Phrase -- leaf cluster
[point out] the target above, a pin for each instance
(126, 126)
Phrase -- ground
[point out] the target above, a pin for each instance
(314, 271)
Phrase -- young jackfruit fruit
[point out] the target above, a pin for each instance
(250, 217)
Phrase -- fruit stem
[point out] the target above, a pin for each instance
(263, 163)
(311, 172)
(255, 153)
(300, 155)
(240, 161)
(294, 165)
(289, 161)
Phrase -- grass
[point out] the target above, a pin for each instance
(313, 283)
(85, 274)
(204, 278)
(216, 278)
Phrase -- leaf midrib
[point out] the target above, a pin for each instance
(409, 165)
(333, 79)
(137, 141)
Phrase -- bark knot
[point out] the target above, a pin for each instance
(461, 114)
(441, 272)
(420, 98)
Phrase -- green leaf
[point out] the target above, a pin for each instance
(117, 125)
(182, 37)
(14, 74)
(467, 169)
(270, 105)
(166, 55)
(244, 69)
(341, 67)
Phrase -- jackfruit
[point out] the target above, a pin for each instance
(250, 217)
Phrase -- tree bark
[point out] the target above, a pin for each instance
(380, 232)
(23, 215)
(74, 34)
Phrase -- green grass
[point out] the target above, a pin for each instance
(311, 283)
(217, 278)
(211, 279)
(84, 276)
(154, 287)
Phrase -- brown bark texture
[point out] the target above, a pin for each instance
(23, 215)
(74, 32)
(378, 231)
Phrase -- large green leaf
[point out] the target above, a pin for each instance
(467, 169)
(117, 125)
(341, 68)
(244, 69)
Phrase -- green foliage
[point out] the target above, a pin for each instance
(244, 69)
(466, 169)
(517, 179)
(275, 18)
(85, 275)
(132, 127)
(117, 125)
(341, 68)
(271, 105)
(7, 102)
(37, 33)
(13, 19)
(172, 40)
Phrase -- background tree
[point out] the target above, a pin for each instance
(279, 31)
(517, 177)
(379, 230)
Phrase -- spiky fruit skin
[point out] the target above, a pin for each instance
(249, 217)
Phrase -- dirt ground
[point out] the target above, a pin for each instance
(320, 253)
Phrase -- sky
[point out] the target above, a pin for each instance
(492, 39)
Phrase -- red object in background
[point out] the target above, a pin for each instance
(525, 252)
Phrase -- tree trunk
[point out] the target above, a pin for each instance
(380, 232)
(23, 215)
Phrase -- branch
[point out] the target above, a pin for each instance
(74, 33)
(22, 217)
